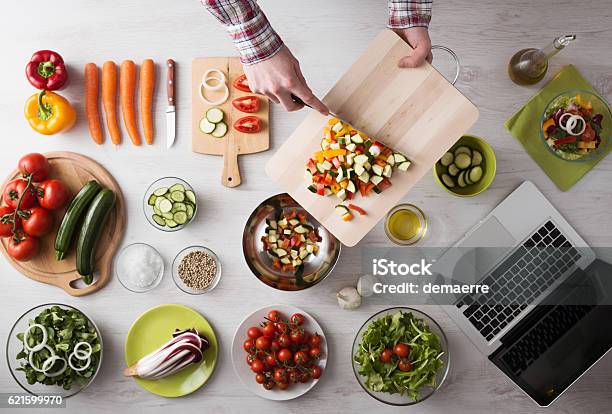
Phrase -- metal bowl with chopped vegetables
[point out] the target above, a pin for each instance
(62, 360)
(170, 204)
(400, 356)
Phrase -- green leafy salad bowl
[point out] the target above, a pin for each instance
(400, 356)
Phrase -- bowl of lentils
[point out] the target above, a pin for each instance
(196, 270)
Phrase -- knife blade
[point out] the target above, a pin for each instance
(171, 109)
(299, 101)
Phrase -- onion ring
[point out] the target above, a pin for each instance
(572, 122)
(39, 346)
(48, 348)
(82, 355)
(221, 76)
(220, 101)
(81, 368)
(50, 362)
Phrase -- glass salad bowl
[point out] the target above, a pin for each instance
(563, 136)
(170, 204)
(14, 347)
(423, 392)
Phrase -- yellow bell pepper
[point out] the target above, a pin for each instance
(49, 113)
(549, 122)
(332, 121)
(331, 153)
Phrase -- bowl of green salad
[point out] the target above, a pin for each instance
(400, 356)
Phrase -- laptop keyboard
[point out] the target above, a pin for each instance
(516, 282)
(543, 335)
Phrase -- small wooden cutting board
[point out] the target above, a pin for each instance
(74, 170)
(234, 143)
(415, 111)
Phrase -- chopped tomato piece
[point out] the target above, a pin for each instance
(248, 104)
(242, 83)
(357, 209)
(248, 125)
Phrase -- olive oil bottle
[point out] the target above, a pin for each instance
(529, 66)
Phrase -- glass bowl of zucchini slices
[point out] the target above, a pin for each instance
(170, 204)
(468, 168)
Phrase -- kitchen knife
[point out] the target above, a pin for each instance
(299, 101)
(171, 109)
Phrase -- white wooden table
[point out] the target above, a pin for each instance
(327, 36)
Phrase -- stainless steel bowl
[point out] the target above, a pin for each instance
(316, 267)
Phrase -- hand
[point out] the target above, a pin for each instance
(418, 39)
(278, 78)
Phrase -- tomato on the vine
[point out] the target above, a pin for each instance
(316, 372)
(37, 222)
(52, 194)
(248, 345)
(6, 221)
(263, 343)
(269, 385)
(280, 375)
(284, 340)
(260, 378)
(271, 360)
(297, 319)
(254, 332)
(269, 330)
(257, 366)
(274, 315)
(14, 191)
(23, 247)
(282, 385)
(315, 353)
(250, 359)
(300, 358)
(294, 376)
(282, 327)
(296, 336)
(315, 341)
(284, 355)
(35, 164)
(304, 377)
(275, 346)
(401, 350)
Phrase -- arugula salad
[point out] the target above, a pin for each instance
(60, 347)
(398, 353)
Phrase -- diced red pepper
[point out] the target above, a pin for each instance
(357, 209)
(362, 189)
(320, 189)
(295, 240)
(302, 217)
(328, 179)
(312, 167)
(384, 184)
(286, 243)
(566, 140)
(291, 215)
(369, 188)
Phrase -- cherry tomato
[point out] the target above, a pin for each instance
(274, 315)
(248, 125)
(248, 345)
(405, 365)
(304, 377)
(282, 327)
(316, 372)
(269, 330)
(280, 375)
(250, 359)
(315, 353)
(284, 355)
(260, 378)
(52, 194)
(401, 350)
(296, 336)
(23, 247)
(297, 319)
(282, 385)
(271, 360)
(38, 222)
(254, 332)
(6, 221)
(275, 346)
(242, 83)
(306, 338)
(294, 376)
(35, 164)
(315, 341)
(284, 340)
(300, 358)
(262, 343)
(269, 385)
(257, 366)
(386, 355)
(13, 192)
(248, 104)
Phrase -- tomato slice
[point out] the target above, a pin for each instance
(248, 104)
(242, 83)
(248, 125)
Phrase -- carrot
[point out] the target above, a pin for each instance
(147, 84)
(91, 102)
(109, 100)
(127, 89)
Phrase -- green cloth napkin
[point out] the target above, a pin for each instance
(525, 127)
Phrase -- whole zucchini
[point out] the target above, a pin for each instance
(91, 230)
(71, 219)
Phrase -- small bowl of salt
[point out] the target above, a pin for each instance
(139, 267)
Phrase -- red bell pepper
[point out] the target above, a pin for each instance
(46, 70)
(320, 189)
(357, 209)
(566, 140)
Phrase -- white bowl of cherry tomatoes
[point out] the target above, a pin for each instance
(28, 201)
(279, 352)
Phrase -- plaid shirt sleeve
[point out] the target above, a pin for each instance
(248, 27)
(409, 13)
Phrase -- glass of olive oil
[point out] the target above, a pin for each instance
(406, 224)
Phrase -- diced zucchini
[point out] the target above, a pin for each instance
(287, 232)
(399, 157)
(341, 209)
(391, 160)
(341, 174)
(351, 147)
(337, 127)
(334, 145)
(351, 187)
(294, 222)
(304, 254)
(388, 170)
(375, 179)
(364, 177)
(324, 145)
(214, 115)
(312, 189)
(341, 194)
(359, 169)
(301, 229)
(281, 252)
(377, 169)
(404, 166)
(326, 165)
(357, 139)
(447, 159)
(361, 159)
(320, 168)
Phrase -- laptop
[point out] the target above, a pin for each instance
(541, 321)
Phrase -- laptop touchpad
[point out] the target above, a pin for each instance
(491, 242)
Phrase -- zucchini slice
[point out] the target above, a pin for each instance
(476, 158)
(206, 126)
(447, 159)
(177, 187)
(220, 130)
(453, 170)
(463, 150)
(463, 160)
(152, 199)
(214, 115)
(475, 174)
(461, 180)
(448, 180)
(159, 220)
(160, 191)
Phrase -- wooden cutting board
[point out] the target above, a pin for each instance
(415, 111)
(234, 143)
(74, 170)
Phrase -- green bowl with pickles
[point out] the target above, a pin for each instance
(469, 174)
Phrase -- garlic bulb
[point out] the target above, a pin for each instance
(365, 285)
(349, 298)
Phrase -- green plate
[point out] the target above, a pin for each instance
(154, 328)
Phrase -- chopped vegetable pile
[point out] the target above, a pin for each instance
(571, 127)
(349, 161)
(290, 240)
(68, 349)
(399, 354)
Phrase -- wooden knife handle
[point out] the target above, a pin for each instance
(170, 81)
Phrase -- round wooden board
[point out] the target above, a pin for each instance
(74, 170)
